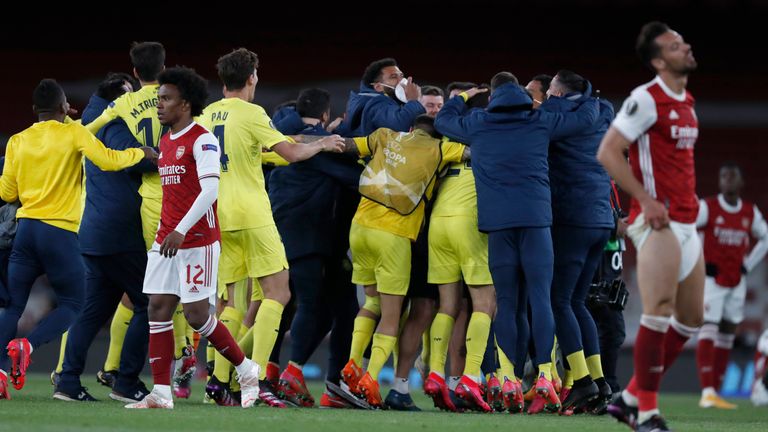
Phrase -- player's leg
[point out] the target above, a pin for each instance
(101, 299)
(457, 348)
(342, 299)
(733, 314)
(714, 303)
(127, 271)
(117, 330)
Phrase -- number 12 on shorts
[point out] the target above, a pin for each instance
(198, 273)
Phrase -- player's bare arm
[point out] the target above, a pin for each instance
(611, 156)
(296, 153)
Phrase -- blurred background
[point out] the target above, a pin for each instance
(329, 46)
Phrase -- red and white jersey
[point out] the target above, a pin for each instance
(663, 127)
(727, 230)
(185, 158)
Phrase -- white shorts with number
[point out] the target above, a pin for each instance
(723, 303)
(690, 243)
(191, 275)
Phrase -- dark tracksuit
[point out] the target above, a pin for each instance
(369, 110)
(313, 203)
(509, 143)
(582, 222)
(8, 226)
(115, 259)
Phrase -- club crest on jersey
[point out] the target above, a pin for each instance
(180, 152)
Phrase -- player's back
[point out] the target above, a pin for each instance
(242, 129)
(456, 194)
(46, 163)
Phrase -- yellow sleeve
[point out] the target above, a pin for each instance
(264, 133)
(9, 191)
(362, 146)
(106, 116)
(452, 152)
(273, 159)
(105, 158)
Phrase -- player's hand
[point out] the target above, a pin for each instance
(412, 90)
(149, 153)
(621, 227)
(475, 90)
(334, 124)
(171, 244)
(655, 213)
(333, 143)
(71, 111)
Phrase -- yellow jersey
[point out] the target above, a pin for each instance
(456, 195)
(243, 130)
(44, 170)
(139, 111)
(374, 215)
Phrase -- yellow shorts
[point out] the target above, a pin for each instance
(254, 253)
(241, 289)
(457, 250)
(150, 219)
(380, 258)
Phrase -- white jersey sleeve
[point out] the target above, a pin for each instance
(703, 216)
(637, 114)
(207, 153)
(760, 232)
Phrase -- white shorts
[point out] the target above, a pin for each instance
(723, 303)
(191, 275)
(690, 243)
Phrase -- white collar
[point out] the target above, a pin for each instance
(727, 207)
(676, 96)
(178, 134)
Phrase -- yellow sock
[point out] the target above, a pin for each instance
(361, 337)
(179, 331)
(477, 339)
(568, 380)
(578, 365)
(382, 348)
(232, 319)
(595, 366)
(546, 369)
(553, 356)
(426, 340)
(245, 339)
(442, 327)
(506, 368)
(117, 331)
(210, 354)
(62, 349)
(265, 329)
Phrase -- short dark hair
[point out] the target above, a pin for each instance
(732, 165)
(428, 90)
(148, 58)
(427, 124)
(502, 78)
(459, 85)
(373, 71)
(571, 81)
(235, 68)
(112, 86)
(646, 46)
(313, 102)
(480, 100)
(545, 81)
(192, 87)
(47, 96)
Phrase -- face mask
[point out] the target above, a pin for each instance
(399, 90)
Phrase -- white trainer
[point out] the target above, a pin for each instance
(152, 400)
(249, 385)
(759, 396)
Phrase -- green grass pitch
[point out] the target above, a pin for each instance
(33, 409)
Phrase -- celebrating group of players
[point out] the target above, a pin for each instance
(497, 204)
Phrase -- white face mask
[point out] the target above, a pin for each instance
(399, 90)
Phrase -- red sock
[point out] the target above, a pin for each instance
(161, 344)
(222, 340)
(673, 343)
(649, 366)
(273, 371)
(705, 352)
(721, 356)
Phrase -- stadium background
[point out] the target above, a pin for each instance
(436, 42)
